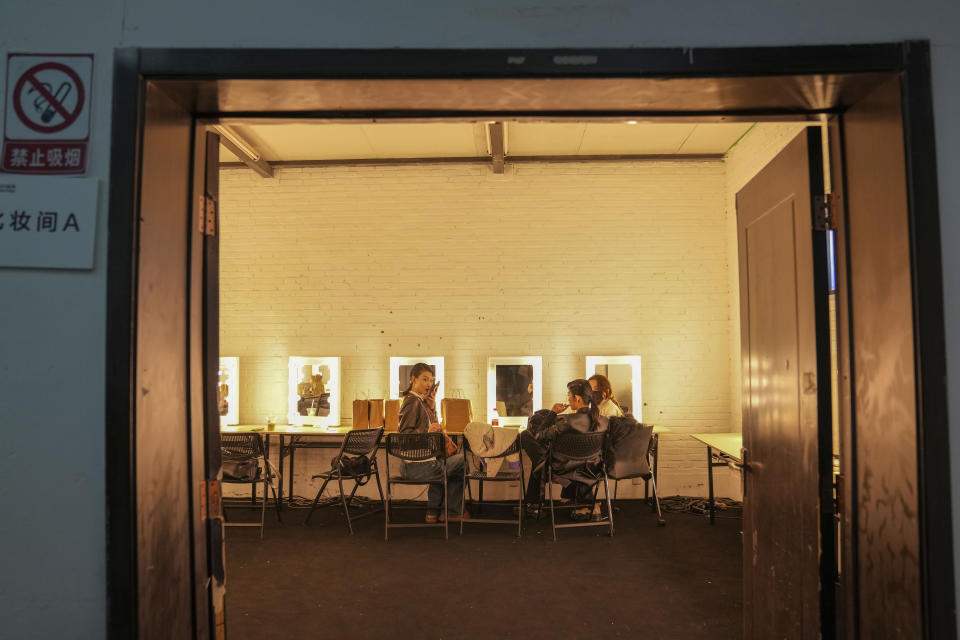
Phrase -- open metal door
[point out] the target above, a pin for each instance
(204, 366)
(166, 504)
(786, 391)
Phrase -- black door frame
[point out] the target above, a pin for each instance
(911, 60)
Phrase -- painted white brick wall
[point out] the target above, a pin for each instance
(557, 260)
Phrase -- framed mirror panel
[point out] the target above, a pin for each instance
(400, 367)
(623, 372)
(228, 390)
(314, 391)
(514, 389)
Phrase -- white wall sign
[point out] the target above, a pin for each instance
(47, 114)
(47, 223)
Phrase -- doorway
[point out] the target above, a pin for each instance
(161, 95)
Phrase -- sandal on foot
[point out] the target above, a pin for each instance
(580, 515)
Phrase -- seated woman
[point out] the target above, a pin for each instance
(418, 415)
(581, 414)
(609, 406)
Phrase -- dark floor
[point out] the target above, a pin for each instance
(679, 581)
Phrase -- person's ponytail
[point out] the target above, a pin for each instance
(594, 408)
(592, 398)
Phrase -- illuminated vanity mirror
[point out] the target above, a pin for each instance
(228, 391)
(514, 389)
(400, 368)
(623, 372)
(314, 391)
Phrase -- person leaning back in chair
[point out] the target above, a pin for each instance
(418, 415)
(581, 414)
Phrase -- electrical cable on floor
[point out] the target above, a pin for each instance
(701, 506)
(302, 502)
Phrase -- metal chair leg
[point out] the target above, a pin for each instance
(553, 522)
(446, 506)
(273, 489)
(316, 500)
(376, 473)
(656, 500)
(522, 513)
(606, 493)
(386, 503)
(353, 492)
(263, 507)
(343, 499)
(463, 494)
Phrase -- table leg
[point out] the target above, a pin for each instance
(280, 482)
(266, 448)
(290, 482)
(656, 459)
(710, 480)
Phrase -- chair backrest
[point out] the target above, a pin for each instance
(362, 442)
(415, 446)
(578, 446)
(627, 455)
(241, 445)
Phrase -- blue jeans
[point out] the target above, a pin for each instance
(431, 470)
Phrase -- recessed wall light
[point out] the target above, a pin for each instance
(631, 122)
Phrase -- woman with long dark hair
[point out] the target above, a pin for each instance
(418, 414)
(609, 405)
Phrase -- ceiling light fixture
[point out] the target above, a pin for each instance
(631, 122)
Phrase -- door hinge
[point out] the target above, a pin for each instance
(207, 216)
(210, 502)
(823, 213)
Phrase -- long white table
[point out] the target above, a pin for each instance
(723, 450)
(332, 438)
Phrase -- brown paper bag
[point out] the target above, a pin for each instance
(391, 415)
(361, 414)
(376, 413)
(456, 413)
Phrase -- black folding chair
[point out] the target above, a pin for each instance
(415, 447)
(503, 475)
(356, 460)
(576, 450)
(638, 466)
(239, 450)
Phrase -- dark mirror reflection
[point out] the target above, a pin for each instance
(514, 390)
(404, 382)
(621, 382)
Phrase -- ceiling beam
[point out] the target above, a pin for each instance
(245, 152)
(498, 145)
(346, 162)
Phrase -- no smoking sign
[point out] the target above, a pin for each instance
(47, 114)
